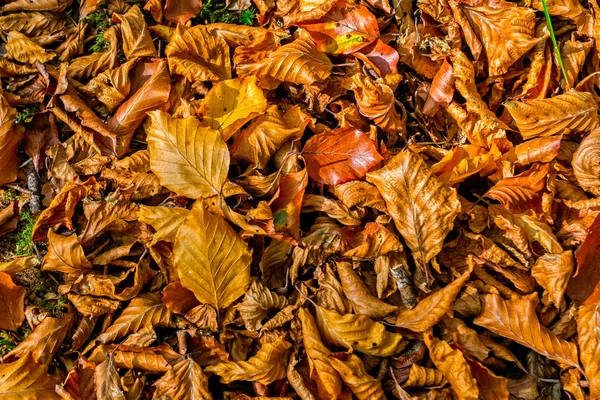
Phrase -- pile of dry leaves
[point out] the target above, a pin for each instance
(345, 199)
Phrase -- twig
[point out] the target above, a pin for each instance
(33, 184)
(17, 188)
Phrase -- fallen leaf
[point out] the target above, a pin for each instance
(184, 381)
(25, 378)
(11, 307)
(353, 373)
(589, 345)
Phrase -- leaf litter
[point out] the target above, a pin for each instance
(300, 200)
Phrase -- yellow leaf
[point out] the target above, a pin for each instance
(430, 310)
(189, 159)
(185, 381)
(18, 264)
(212, 261)
(329, 384)
(358, 332)
(453, 366)
(26, 379)
(552, 272)
(298, 62)
(267, 366)
(165, 221)
(516, 319)
(569, 112)
(507, 33)
(588, 324)
(20, 48)
(353, 373)
(198, 55)
(585, 162)
(232, 103)
(422, 207)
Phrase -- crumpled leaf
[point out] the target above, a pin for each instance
(422, 207)
(211, 260)
(181, 11)
(65, 254)
(184, 381)
(589, 345)
(506, 31)
(108, 382)
(584, 162)
(516, 319)
(257, 303)
(453, 366)
(358, 332)
(188, 158)
(20, 48)
(165, 221)
(552, 272)
(339, 156)
(10, 136)
(26, 379)
(267, 366)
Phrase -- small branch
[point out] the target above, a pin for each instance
(17, 188)
(33, 184)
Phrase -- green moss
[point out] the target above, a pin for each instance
(24, 244)
(27, 113)
(214, 11)
(99, 19)
(101, 44)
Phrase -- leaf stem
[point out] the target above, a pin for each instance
(553, 37)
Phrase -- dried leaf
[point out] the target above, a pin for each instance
(589, 345)
(184, 381)
(11, 306)
(257, 303)
(353, 373)
(25, 379)
(552, 272)
(136, 37)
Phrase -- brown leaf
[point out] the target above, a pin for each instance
(12, 306)
(198, 55)
(184, 381)
(181, 11)
(10, 136)
(430, 310)
(552, 272)
(453, 365)
(363, 302)
(340, 155)
(422, 207)
(139, 358)
(372, 240)
(589, 345)
(298, 62)
(108, 382)
(423, 376)
(516, 319)
(165, 221)
(65, 254)
(136, 37)
(20, 48)
(359, 333)
(267, 366)
(584, 162)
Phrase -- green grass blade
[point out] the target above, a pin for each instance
(553, 37)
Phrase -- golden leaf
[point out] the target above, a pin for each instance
(133, 357)
(358, 332)
(20, 48)
(430, 310)
(91, 65)
(232, 103)
(453, 366)
(198, 55)
(516, 319)
(257, 303)
(32, 23)
(372, 240)
(507, 33)
(165, 221)
(267, 366)
(112, 86)
(189, 159)
(144, 310)
(422, 376)
(298, 62)
(333, 209)
(552, 272)
(329, 384)
(26, 379)
(184, 381)
(588, 324)
(212, 261)
(65, 254)
(361, 194)
(569, 112)
(521, 192)
(136, 37)
(586, 162)
(353, 373)
(422, 207)
(359, 295)
(19, 264)
(463, 161)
